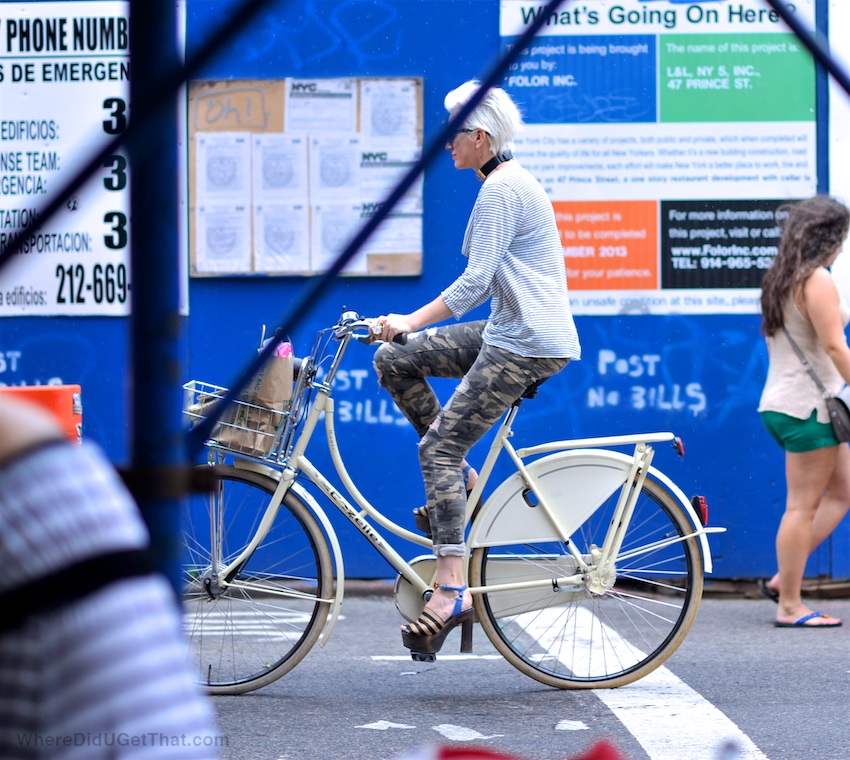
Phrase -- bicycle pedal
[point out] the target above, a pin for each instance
(423, 657)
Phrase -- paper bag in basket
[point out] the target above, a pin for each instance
(251, 423)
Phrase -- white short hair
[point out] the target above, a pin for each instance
(496, 114)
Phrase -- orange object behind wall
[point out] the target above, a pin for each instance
(64, 401)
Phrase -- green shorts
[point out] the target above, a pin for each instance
(796, 435)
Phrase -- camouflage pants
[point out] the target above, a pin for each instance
(492, 379)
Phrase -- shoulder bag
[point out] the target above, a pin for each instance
(838, 406)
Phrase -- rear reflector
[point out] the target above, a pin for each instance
(700, 506)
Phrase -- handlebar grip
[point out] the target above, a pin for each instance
(378, 329)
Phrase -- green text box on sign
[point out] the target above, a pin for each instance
(739, 78)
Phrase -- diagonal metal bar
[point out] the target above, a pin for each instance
(815, 45)
(140, 119)
(202, 431)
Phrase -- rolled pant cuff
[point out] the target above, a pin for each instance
(449, 550)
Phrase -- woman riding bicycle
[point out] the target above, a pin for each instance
(514, 259)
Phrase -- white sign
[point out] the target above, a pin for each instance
(668, 136)
(64, 89)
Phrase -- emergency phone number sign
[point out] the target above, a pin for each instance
(64, 87)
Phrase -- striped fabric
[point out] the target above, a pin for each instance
(516, 259)
(107, 676)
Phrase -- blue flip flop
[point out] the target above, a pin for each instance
(801, 623)
(767, 592)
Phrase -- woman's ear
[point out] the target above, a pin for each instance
(483, 139)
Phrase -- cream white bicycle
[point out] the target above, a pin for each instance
(586, 564)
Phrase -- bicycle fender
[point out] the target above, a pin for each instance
(689, 511)
(320, 515)
(310, 502)
(506, 519)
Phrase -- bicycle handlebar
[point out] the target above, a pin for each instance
(351, 322)
(400, 338)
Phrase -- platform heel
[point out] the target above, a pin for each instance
(424, 637)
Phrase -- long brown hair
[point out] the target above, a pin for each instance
(812, 231)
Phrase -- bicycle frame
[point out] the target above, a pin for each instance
(362, 514)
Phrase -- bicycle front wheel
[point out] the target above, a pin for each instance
(250, 629)
(570, 637)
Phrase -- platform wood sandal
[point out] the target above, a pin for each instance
(420, 514)
(423, 522)
(425, 637)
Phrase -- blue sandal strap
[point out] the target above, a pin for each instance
(458, 608)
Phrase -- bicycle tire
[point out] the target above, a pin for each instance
(571, 638)
(242, 638)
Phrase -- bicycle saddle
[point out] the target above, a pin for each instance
(532, 389)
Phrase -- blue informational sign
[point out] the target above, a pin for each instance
(686, 358)
(589, 80)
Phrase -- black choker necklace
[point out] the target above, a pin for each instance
(485, 170)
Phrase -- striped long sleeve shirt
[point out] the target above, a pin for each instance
(516, 260)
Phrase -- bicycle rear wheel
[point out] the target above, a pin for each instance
(569, 637)
(255, 627)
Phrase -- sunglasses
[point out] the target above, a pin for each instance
(460, 132)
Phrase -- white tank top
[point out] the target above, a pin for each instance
(789, 388)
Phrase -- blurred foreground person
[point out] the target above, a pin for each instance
(92, 662)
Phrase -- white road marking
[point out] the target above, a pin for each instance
(248, 624)
(383, 725)
(572, 725)
(461, 734)
(256, 632)
(655, 708)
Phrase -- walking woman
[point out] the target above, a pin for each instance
(799, 295)
(514, 259)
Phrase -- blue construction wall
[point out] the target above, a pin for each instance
(699, 376)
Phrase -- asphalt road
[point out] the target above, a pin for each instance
(738, 688)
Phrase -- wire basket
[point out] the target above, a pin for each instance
(244, 429)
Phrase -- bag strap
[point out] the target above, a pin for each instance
(808, 367)
(70, 584)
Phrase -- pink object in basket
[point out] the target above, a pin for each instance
(284, 348)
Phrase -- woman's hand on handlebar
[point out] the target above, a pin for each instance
(392, 327)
